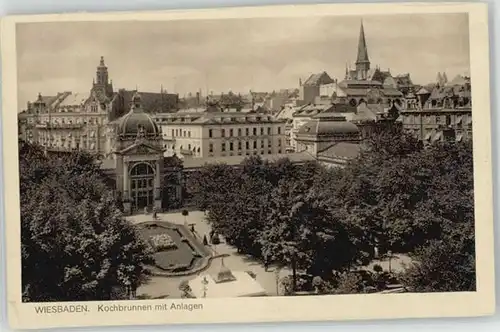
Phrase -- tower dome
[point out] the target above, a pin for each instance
(137, 122)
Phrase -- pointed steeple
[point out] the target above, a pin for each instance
(439, 78)
(362, 61)
(362, 49)
(445, 78)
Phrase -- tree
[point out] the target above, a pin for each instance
(75, 245)
(301, 233)
(442, 266)
(212, 184)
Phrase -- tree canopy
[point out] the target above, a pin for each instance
(75, 244)
(397, 196)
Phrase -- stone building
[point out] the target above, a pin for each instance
(331, 139)
(136, 155)
(213, 131)
(441, 111)
(77, 121)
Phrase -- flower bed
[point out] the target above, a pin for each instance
(162, 242)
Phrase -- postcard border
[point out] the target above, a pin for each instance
(270, 309)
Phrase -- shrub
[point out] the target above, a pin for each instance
(378, 268)
(162, 241)
(215, 239)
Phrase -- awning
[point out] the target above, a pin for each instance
(428, 136)
(458, 120)
(459, 137)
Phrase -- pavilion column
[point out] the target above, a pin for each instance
(157, 193)
(127, 204)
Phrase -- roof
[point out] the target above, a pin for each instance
(328, 124)
(458, 80)
(74, 99)
(362, 49)
(296, 157)
(136, 121)
(243, 286)
(318, 79)
(367, 112)
(343, 150)
(422, 91)
(286, 113)
(152, 102)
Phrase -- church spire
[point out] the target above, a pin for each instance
(362, 49)
(362, 61)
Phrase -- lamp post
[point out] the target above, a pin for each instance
(277, 277)
(205, 283)
(390, 257)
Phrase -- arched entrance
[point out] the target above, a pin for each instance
(142, 178)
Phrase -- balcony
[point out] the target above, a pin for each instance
(59, 126)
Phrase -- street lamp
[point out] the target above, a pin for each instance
(277, 276)
(390, 257)
(205, 283)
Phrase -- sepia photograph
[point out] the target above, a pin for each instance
(247, 157)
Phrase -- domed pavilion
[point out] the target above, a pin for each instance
(135, 145)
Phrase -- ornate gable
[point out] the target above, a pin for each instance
(140, 148)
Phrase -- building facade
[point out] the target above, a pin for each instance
(215, 132)
(441, 111)
(78, 121)
(330, 138)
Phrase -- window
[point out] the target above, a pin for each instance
(189, 147)
(247, 145)
(189, 133)
(261, 152)
(231, 146)
(279, 151)
(262, 144)
(239, 131)
(223, 133)
(255, 131)
(211, 148)
(185, 133)
(269, 152)
(223, 146)
(279, 142)
(268, 143)
(269, 130)
(262, 130)
(279, 130)
(255, 144)
(247, 131)
(210, 133)
(239, 145)
(230, 133)
(173, 133)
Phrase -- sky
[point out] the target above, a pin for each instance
(239, 55)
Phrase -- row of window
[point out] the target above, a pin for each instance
(239, 153)
(181, 133)
(56, 121)
(231, 146)
(69, 145)
(438, 119)
(231, 132)
(239, 132)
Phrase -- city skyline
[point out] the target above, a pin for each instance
(263, 54)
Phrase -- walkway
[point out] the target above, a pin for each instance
(169, 287)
